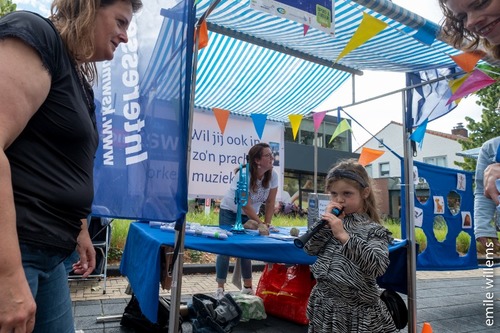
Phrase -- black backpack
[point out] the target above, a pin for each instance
(396, 306)
(215, 316)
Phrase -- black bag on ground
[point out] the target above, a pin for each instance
(396, 306)
(215, 316)
(134, 318)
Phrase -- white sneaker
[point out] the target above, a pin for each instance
(219, 293)
(247, 291)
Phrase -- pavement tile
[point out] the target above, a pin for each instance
(449, 301)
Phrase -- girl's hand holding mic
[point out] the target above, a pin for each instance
(335, 222)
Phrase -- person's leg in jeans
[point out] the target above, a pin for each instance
(48, 281)
(246, 273)
(226, 218)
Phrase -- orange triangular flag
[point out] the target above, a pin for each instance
(369, 155)
(222, 116)
(468, 60)
(203, 37)
(295, 120)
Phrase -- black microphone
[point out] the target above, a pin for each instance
(302, 240)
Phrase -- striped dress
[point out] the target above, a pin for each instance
(346, 298)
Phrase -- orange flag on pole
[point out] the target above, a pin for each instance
(222, 116)
(369, 155)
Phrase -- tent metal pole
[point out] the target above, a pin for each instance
(411, 258)
(176, 295)
(316, 162)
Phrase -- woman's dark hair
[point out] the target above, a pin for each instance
(253, 154)
(454, 32)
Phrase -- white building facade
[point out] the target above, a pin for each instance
(438, 149)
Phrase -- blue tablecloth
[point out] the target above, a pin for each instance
(141, 258)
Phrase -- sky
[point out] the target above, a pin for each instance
(373, 115)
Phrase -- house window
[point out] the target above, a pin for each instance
(436, 160)
(369, 170)
(384, 169)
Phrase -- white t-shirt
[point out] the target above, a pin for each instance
(258, 197)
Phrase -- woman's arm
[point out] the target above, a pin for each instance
(24, 85)
(86, 251)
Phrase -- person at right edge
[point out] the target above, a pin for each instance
(471, 25)
(48, 140)
(352, 251)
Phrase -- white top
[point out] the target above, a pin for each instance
(257, 198)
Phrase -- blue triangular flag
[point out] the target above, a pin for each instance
(419, 133)
(259, 121)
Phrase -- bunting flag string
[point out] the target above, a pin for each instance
(221, 116)
(475, 81)
(295, 120)
(426, 34)
(203, 35)
(341, 128)
(468, 60)
(368, 28)
(259, 122)
(318, 119)
(368, 155)
(306, 29)
(419, 133)
(455, 84)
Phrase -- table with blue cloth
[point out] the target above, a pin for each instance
(141, 259)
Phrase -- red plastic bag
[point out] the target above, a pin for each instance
(285, 291)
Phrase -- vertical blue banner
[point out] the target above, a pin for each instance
(142, 102)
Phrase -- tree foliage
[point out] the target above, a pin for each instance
(6, 6)
(489, 125)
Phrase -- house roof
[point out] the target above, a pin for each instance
(428, 131)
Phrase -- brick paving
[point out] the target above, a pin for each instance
(92, 289)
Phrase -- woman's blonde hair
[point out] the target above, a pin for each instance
(355, 174)
(454, 31)
(74, 19)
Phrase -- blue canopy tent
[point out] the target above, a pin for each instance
(255, 62)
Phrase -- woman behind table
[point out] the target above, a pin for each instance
(352, 251)
(48, 138)
(262, 186)
(471, 24)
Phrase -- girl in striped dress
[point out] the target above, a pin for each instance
(352, 251)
